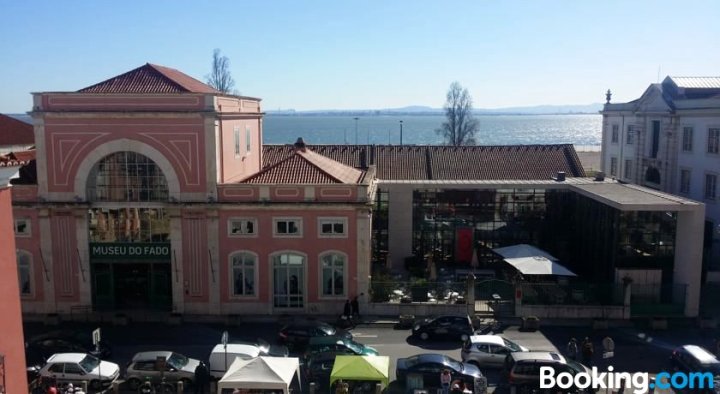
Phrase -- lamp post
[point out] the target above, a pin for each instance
(356, 130)
(401, 132)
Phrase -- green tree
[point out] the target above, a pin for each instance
(461, 126)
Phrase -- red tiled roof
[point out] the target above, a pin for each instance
(15, 132)
(430, 162)
(15, 159)
(151, 78)
(303, 166)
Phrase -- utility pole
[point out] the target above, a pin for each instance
(401, 132)
(356, 130)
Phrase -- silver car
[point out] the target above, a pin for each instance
(489, 350)
(146, 365)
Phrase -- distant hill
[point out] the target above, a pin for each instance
(425, 110)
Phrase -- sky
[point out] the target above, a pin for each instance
(349, 54)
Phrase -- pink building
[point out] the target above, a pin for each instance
(150, 195)
(12, 343)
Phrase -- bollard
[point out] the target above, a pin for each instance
(116, 388)
(378, 388)
(180, 387)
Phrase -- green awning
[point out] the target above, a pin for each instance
(376, 368)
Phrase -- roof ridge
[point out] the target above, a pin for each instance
(310, 153)
(145, 66)
(162, 70)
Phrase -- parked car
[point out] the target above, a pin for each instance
(431, 365)
(145, 366)
(489, 350)
(444, 327)
(62, 341)
(296, 335)
(340, 346)
(318, 366)
(80, 367)
(693, 358)
(523, 368)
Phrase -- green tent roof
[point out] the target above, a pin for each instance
(361, 368)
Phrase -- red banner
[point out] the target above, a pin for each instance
(464, 244)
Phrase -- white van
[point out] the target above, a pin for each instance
(220, 359)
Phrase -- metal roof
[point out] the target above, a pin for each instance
(697, 82)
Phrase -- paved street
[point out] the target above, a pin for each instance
(635, 350)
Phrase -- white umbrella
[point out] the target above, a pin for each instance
(537, 265)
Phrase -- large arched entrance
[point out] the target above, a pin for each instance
(128, 233)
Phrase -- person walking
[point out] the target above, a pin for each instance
(572, 349)
(355, 306)
(608, 347)
(445, 379)
(587, 351)
(202, 378)
(347, 311)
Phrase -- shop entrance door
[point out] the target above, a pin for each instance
(289, 281)
(132, 285)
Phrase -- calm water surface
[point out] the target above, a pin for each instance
(581, 130)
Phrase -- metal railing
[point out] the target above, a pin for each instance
(572, 294)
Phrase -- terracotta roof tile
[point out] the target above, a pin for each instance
(151, 78)
(15, 132)
(15, 159)
(429, 162)
(303, 166)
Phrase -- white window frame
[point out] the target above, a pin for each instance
(298, 223)
(231, 276)
(28, 229)
(685, 183)
(241, 234)
(613, 166)
(713, 140)
(710, 193)
(321, 278)
(630, 135)
(627, 169)
(332, 221)
(236, 137)
(248, 140)
(25, 253)
(614, 133)
(687, 139)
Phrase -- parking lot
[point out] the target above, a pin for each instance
(636, 350)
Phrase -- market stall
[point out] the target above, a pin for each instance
(365, 370)
(260, 375)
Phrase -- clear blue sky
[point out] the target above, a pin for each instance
(365, 54)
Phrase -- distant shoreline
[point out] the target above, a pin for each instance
(429, 113)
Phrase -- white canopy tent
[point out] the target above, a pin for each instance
(530, 260)
(264, 373)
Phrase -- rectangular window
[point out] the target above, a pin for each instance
(243, 274)
(655, 146)
(615, 134)
(287, 227)
(710, 186)
(630, 135)
(236, 135)
(248, 140)
(22, 227)
(333, 274)
(242, 227)
(628, 169)
(685, 181)
(713, 140)
(613, 166)
(332, 227)
(687, 139)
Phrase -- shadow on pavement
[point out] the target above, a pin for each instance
(433, 345)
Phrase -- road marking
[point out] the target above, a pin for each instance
(360, 335)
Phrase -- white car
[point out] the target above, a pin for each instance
(80, 367)
(489, 350)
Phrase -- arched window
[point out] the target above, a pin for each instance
(333, 274)
(288, 280)
(243, 273)
(652, 175)
(24, 266)
(126, 176)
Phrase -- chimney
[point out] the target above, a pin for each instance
(300, 145)
(560, 176)
(600, 176)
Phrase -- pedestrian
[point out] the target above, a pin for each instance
(52, 389)
(587, 351)
(341, 387)
(355, 306)
(608, 347)
(445, 379)
(202, 378)
(457, 387)
(572, 349)
(347, 311)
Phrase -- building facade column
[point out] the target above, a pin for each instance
(400, 224)
(689, 251)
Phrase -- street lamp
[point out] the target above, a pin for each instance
(356, 130)
(401, 132)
